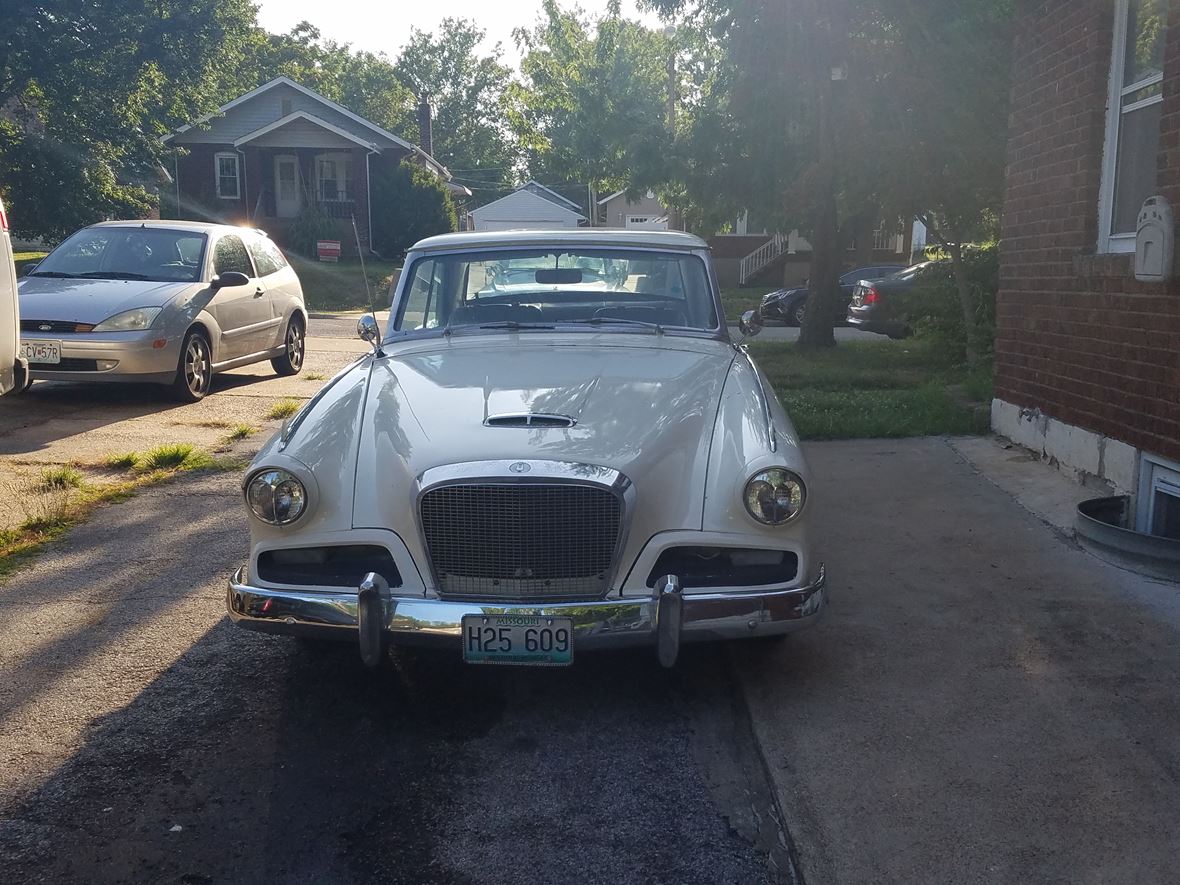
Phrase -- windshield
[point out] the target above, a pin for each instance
(127, 253)
(545, 288)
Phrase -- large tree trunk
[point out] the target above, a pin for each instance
(966, 302)
(862, 231)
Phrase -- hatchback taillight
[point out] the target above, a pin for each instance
(871, 296)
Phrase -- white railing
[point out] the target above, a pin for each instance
(761, 257)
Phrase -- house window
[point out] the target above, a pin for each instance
(1133, 119)
(334, 177)
(225, 168)
(1159, 498)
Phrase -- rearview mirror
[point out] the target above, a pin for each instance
(229, 280)
(559, 276)
(751, 323)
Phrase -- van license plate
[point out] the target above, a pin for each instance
(41, 351)
(527, 640)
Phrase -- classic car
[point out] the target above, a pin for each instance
(523, 472)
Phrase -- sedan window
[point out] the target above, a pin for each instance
(127, 253)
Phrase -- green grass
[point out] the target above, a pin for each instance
(240, 431)
(57, 478)
(876, 389)
(284, 408)
(737, 301)
(341, 286)
(315, 376)
(174, 456)
(124, 461)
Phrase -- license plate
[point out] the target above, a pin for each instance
(41, 351)
(528, 640)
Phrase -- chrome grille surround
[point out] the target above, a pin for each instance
(523, 530)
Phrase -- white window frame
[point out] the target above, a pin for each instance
(1107, 240)
(343, 160)
(217, 158)
(1155, 474)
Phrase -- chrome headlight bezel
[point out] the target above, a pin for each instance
(138, 319)
(261, 489)
(772, 480)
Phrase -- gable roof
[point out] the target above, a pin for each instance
(606, 200)
(525, 193)
(327, 102)
(535, 187)
(302, 115)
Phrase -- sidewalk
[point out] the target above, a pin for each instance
(984, 703)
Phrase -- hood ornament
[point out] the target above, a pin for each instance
(520, 467)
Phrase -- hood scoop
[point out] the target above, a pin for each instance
(528, 419)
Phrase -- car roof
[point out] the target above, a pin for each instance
(586, 236)
(168, 224)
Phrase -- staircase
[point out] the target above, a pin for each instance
(762, 257)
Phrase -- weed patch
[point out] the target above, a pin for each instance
(284, 408)
(175, 456)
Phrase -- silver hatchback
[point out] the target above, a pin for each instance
(167, 302)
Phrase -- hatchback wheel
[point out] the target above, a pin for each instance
(295, 347)
(194, 374)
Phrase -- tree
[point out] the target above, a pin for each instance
(468, 93)
(87, 89)
(409, 203)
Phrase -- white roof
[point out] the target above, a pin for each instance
(580, 237)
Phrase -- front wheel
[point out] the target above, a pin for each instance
(797, 313)
(194, 374)
(295, 346)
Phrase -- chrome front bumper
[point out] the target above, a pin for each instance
(609, 623)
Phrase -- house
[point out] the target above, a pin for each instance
(643, 213)
(1087, 367)
(532, 206)
(264, 157)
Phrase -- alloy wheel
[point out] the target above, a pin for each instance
(296, 344)
(198, 368)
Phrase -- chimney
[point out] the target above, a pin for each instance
(425, 131)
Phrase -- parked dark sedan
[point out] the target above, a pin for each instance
(870, 308)
(789, 305)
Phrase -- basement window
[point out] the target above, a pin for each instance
(1159, 498)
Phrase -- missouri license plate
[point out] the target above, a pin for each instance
(528, 640)
(41, 351)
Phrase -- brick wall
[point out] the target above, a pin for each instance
(1077, 336)
(199, 200)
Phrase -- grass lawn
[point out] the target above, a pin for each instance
(341, 286)
(877, 389)
(737, 301)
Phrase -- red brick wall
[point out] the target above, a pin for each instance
(198, 187)
(1077, 336)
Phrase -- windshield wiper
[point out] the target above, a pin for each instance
(602, 321)
(513, 324)
(54, 274)
(111, 275)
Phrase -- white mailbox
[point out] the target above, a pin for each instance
(1155, 241)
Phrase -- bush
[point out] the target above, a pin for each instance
(932, 309)
(409, 203)
(313, 224)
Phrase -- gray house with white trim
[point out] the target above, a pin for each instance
(265, 156)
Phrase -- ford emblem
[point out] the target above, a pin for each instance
(520, 467)
(45, 327)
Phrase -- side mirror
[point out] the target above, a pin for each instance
(751, 323)
(229, 280)
(368, 330)
(28, 268)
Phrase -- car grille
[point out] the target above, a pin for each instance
(525, 541)
(58, 326)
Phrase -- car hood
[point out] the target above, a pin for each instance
(91, 301)
(645, 406)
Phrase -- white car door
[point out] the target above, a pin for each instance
(10, 374)
(242, 312)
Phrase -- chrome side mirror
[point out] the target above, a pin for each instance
(368, 330)
(751, 323)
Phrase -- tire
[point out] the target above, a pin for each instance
(295, 349)
(796, 312)
(194, 371)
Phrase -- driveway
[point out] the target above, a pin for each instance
(985, 701)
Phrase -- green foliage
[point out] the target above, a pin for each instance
(124, 461)
(409, 203)
(59, 478)
(284, 408)
(174, 456)
(932, 307)
(313, 224)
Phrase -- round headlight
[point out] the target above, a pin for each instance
(276, 496)
(775, 496)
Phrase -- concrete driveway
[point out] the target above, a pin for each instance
(985, 702)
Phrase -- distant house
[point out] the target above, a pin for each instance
(265, 156)
(643, 213)
(531, 206)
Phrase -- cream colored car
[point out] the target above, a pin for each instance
(555, 447)
(13, 368)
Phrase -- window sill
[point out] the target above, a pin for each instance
(1108, 264)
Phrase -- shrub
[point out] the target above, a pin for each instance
(932, 309)
(409, 203)
(313, 224)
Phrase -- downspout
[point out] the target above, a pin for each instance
(369, 199)
(245, 186)
(176, 176)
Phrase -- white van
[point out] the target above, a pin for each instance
(13, 368)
